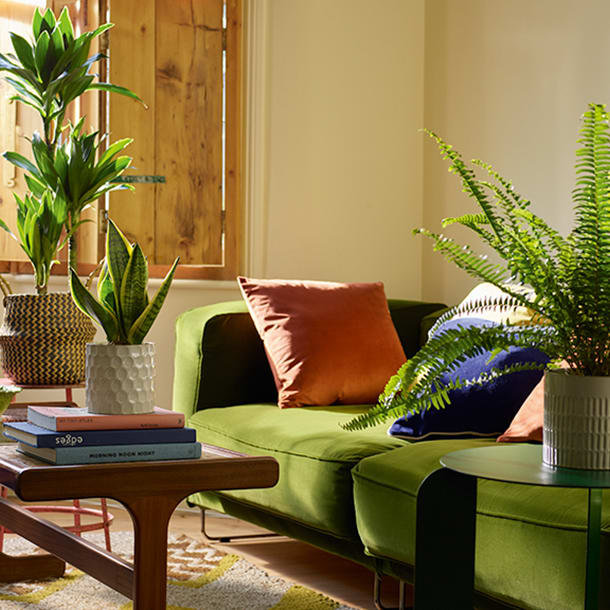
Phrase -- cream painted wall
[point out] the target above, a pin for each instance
(343, 84)
(506, 81)
(345, 166)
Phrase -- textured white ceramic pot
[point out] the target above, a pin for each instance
(120, 378)
(576, 431)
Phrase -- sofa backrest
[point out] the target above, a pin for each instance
(220, 360)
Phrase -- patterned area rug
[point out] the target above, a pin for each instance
(199, 578)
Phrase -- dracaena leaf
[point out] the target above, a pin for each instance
(65, 25)
(23, 50)
(23, 163)
(110, 88)
(36, 23)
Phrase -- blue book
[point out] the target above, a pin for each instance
(113, 453)
(42, 437)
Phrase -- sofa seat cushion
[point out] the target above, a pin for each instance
(315, 457)
(531, 540)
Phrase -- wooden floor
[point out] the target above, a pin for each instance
(338, 578)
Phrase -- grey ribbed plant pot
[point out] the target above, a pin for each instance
(120, 378)
(576, 431)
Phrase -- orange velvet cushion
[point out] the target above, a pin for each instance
(527, 423)
(326, 342)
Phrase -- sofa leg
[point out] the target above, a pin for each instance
(402, 587)
(230, 538)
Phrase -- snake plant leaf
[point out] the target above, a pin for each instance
(89, 306)
(118, 250)
(105, 290)
(23, 50)
(142, 325)
(134, 297)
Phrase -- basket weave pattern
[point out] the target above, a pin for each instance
(43, 339)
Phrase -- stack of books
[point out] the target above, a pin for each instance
(68, 435)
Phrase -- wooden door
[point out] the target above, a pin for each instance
(171, 55)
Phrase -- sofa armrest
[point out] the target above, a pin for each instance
(220, 360)
(408, 317)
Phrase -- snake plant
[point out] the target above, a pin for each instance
(122, 307)
(562, 280)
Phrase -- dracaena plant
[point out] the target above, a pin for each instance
(49, 72)
(78, 172)
(52, 70)
(40, 224)
(563, 281)
(122, 307)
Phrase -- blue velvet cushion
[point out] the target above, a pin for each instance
(477, 410)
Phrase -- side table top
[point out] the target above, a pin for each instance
(521, 463)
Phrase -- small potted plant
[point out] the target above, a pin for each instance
(563, 281)
(43, 336)
(120, 374)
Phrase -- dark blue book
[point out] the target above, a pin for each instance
(36, 436)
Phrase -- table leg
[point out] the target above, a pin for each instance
(150, 516)
(593, 549)
(30, 567)
(445, 541)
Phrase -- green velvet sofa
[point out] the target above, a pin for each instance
(354, 493)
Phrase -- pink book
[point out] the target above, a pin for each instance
(70, 418)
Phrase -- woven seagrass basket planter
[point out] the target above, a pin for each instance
(43, 339)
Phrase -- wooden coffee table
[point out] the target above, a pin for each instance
(149, 490)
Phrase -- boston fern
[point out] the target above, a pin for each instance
(563, 282)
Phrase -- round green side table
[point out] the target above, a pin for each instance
(522, 463)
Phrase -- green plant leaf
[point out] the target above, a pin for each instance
(105, 291)
(23, 50)
(40, 55)
(118, 250)
(65, 25)
(110, 88)
(142, 325)
(134, 297)
(36, 23)
(48, 21)
(89, 306)
(23, 163)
